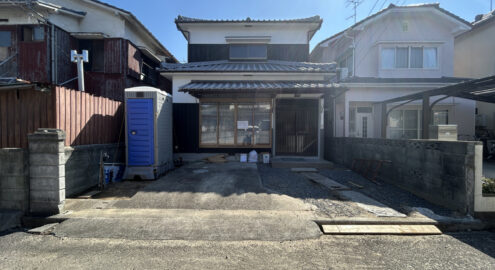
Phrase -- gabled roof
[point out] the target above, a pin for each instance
(436, 6)
(255, 85)
(238, 66)
(184, 19)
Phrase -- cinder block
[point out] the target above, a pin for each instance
(46, 208)
(13, 194)
(14, 205)
(47, 183)
(47, 171)
(46, 159)
(47, 195)
(17, 182)
(46, 148)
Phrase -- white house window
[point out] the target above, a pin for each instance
(409, 57)
(248, 51)
(404, 124)
(345, 61)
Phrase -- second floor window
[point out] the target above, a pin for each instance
(409, 57)
(248, 52)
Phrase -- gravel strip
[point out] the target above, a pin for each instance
(283, 181)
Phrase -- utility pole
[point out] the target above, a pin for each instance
(79, 59)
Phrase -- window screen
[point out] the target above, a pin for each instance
(252, 51)
(430, 58)
(226, 123)
(209, 123)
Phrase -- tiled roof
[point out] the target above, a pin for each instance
(265, 66)
(196, 86)
(184, 19)
(404, 80)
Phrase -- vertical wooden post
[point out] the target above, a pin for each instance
(426, 117)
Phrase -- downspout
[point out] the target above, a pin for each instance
(353, 52)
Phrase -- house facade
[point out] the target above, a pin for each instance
(37, 38)
(474, 58)
(388, 55)
(248, 85)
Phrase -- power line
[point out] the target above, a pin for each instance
(374, 5)
(355, 4)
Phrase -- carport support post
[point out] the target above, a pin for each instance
(426, 117)
(384, 117)
(47, 171)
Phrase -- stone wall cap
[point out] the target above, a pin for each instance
(48, 133)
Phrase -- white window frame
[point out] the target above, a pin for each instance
(409, 57)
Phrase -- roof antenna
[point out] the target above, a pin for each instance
(355, 4)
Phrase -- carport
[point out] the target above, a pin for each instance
(480, 90)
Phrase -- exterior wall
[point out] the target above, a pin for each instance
(14, 179)
(82, 168)
(213, 52)
(474, 57)
(204, 33)
(443, 173)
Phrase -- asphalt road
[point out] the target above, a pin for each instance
(474, 250)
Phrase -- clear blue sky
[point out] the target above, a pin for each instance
(159, 15)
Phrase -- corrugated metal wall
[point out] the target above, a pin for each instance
(86, 119)
(23, 112)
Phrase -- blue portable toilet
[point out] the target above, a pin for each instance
(148, 118)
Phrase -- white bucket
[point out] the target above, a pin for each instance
(253, 156)
(243, 158)
(266, 158)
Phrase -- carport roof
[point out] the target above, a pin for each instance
(479, 89)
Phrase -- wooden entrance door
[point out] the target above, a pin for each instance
(296, 127)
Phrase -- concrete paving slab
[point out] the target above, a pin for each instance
(230, 185)
(301, 170)
(180, 224)
(43, 230)
(325, 181)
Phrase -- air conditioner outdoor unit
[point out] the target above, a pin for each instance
(443, 132)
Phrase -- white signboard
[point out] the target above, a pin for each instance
(242, 124)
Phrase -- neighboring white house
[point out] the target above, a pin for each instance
(475, 58)
(398, 51)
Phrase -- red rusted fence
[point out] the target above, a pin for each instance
(86, 119)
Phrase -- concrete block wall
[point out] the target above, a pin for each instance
(439, 171)
(14, 179)
(82, 165)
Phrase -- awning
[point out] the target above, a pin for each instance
(201, 88)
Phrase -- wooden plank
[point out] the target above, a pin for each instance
(24, 96)
(84, 120)
(66, 114)
(78, 118)
(11, 118)
(72, 116)
(91, 119)
(18, 106)
(381, 229)
(3, 119)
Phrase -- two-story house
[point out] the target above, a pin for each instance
(248, 85)
(397, 51)
(36, 38)
(474, 57)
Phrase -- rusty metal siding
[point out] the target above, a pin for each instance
(105, 85)
(21, 113)
(113, 55)
(65, 69)
(134, 61)
(33, 60)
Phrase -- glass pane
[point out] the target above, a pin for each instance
(226, 132)
(430, 58)
(238, 51)
(416, 57)
(257, 51)
(244, 124)
(208, 123)
(352, 122)
(5, 38)
(38, 33)
(441, 117)
(395, 119)
(411, 119)
(402, 57)
(262, 126)
(388, 58)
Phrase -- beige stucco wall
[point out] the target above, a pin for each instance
(474, 55)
